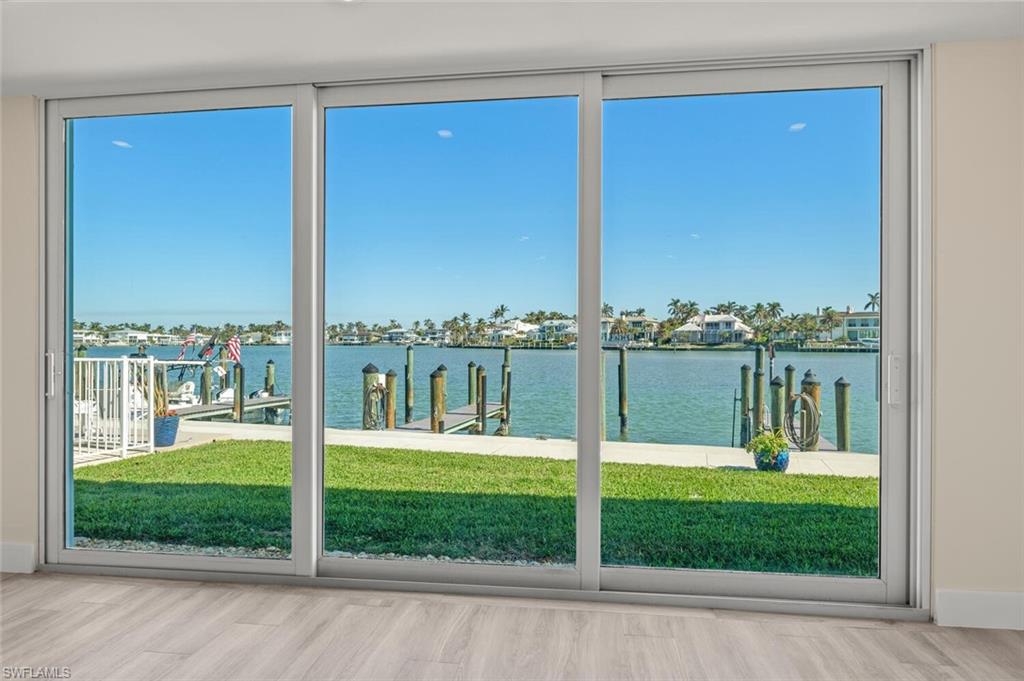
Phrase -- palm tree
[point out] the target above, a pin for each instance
(619, 327)
(830, 319)
(607, 310)
(774, 310)
(724, 308)
(874, 302)
(674, 308)
(499, 313)
(429, 323)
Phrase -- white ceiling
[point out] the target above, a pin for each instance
(83, 48)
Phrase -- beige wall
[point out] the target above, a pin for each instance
(978, 161)
(978, 521)
(20, 309)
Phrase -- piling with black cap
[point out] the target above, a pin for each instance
(811, 387)
(370, 373)
(842, 387)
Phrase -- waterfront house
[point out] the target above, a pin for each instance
(561, 330)
(511, 331)
(136, 337)
(399, 335)
(638, 329)
(282, 337)
(83, 337)
(437, 336)
(858, 326)
(713, 329)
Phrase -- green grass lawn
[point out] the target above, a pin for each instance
(236, 493)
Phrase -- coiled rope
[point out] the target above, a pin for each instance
(811, 421)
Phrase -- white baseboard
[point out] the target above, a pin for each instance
(981, 609)
(17, 557)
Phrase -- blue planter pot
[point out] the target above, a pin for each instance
(765, 464)
(165, 430)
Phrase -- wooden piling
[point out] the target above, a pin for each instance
(270, 378)
(391, 385)
(758, 358)
(239, 407)
(481, 399)
(369, 381)
(206, 384)
(436, 402)
(778, 402)
(842, 387)
(81, 350)
(409, 393)
(811, 387)
(225, 378)
(790, 381)
(746, 388)
(444, 388)
(758, 419)
(506, 404)
(471, 383)
(604, 402)
(623, 392)
(506, 376)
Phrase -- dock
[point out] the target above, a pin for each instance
(455, 420)
(227, 408)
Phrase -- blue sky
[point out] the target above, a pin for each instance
(436, 209)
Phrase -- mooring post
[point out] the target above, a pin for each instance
(239, 392)
(436, 400)
(408, 384)
(790, 382)
(206, 384)
(370, 373)
(225, 378)
(811, 387)
(746, 388)
(506, 375)
(506, 411)
(481, 398)
(391, 385)
(270, 378)
(758, 401)
(778, 402)
(471, 383)
(623, 392)
(842, 414)
(758, 358)
(444, 389)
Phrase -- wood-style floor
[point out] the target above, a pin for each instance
(119, 628)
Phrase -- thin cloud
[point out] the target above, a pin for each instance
(122, 144)
(445, 134)
(695, 236)
(524, 238)
(797, 127)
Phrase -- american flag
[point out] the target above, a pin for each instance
(191, 340)
(234, 347)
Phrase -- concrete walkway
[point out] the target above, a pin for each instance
(193, 433)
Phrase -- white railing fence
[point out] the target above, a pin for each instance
(113, 405)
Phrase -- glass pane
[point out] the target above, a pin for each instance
(179, 290)
(742, 269)
(451, 269)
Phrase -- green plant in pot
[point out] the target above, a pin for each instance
(770, 450)
(165, 420)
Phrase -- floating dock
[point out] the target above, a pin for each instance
(458, 419)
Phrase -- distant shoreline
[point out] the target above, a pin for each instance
(679, 348)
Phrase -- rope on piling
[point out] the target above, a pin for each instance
(374, 407)
(812, 419)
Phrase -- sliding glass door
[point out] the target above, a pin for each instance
(600, 331)
(449, 359)
(175, 330)
(747, 229)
